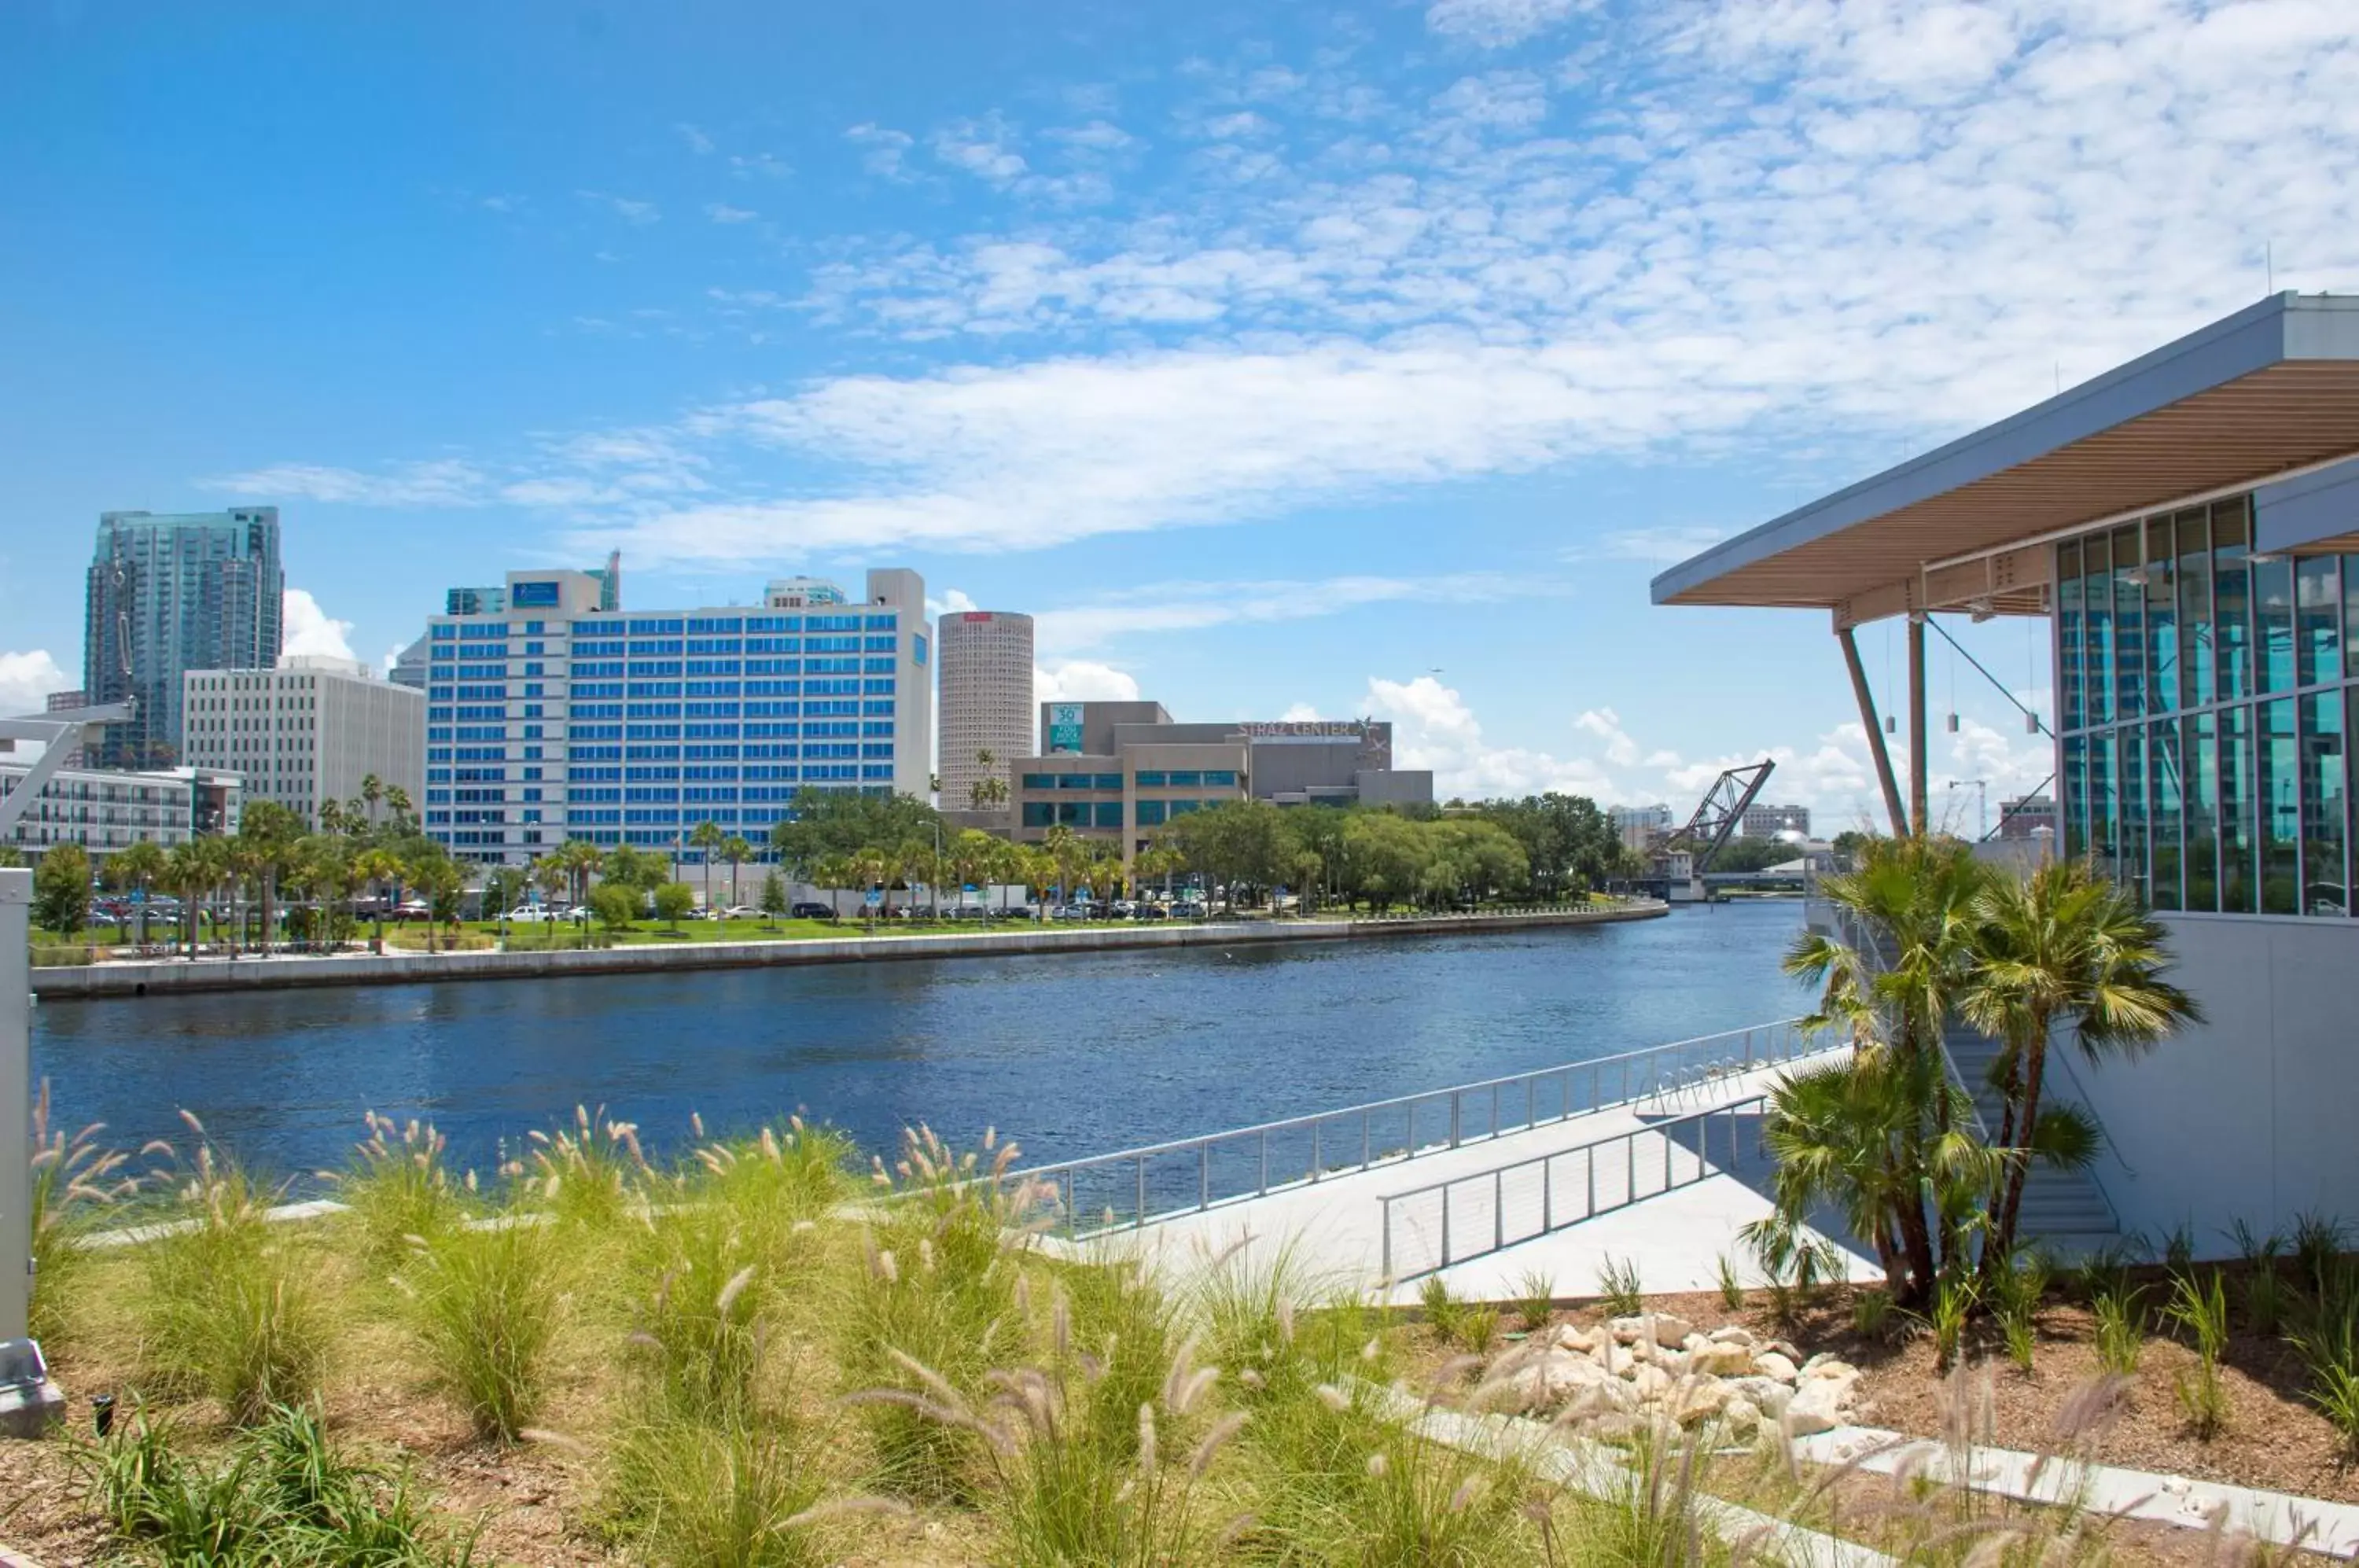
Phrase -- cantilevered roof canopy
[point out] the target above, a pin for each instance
(2269, 392)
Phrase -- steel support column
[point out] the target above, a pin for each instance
(1919, 811)
(1875, 727)
(15, 1103)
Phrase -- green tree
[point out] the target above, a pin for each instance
(989, 791)
(707, 839)
(190, 869)
(372, 794)
(736, 851)
(61, 889)
(383, 871)
(437, 880)
(823, 822)
(871, 869)
(673, 901)
(1385, 857)
(774, 896)
(1891, 981)
(267, 833)
(616, 904)
(581, 859)
(2062, 943)
(1240, 843)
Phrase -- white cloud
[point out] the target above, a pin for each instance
(1192, 606)
(1433, 729)
(447, 483)
(1299, 712)
(1496, 23)
(952, 602)
(759, 166)
(1802, 220)
(638, 214)
(723, 213)
(27, 679)
(1080, 681)
(1606, 724)
(887, 149)
(309, 629)
(696, 140)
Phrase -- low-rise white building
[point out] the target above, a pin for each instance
(308, 732)
(104, 811)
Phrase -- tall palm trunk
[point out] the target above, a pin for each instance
(2034, 1069)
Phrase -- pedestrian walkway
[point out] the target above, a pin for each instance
(1331, 1232)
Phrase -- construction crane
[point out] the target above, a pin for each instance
(1720, 813)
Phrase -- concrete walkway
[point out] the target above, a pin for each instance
(1332, 1232)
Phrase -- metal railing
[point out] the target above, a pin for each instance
(1136, 1186)
(1498, 1208)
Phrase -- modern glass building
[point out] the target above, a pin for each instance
(2187, 527)
(556, 716)
(169, 594)
(2206, 692)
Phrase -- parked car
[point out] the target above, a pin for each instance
(811, 910)
(1151, 912)
(1188, 909)
(1124, 908)
(413, 909)
(531, 914)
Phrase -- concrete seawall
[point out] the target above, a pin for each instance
(169, 976)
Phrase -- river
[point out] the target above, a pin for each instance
(1069, 1055)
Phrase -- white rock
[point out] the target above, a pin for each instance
(1669, 1330)
(1696, 1399)
(1650, 1380)
(1569, 1337)
(1741, 1416)
(1527, 1381)
(1816, 1407)
(1716, 1358)
(1767, 1393)
(1827, 1366)
(1775, 1364)
(1734, 1334)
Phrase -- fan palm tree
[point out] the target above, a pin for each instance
(332, 815)
(736, 851)
(396, 803)
(1912, 915)
(707, 839)
(267, 834)
(188, 871)
(871, 868)
(580, 857)
(372, 792)
(137, 867)
(2062, 944)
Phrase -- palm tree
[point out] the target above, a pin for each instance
(137, 867)
(188, 871)
(371, 791)
(736, 851)
(267, 831)
(2062, 943)
(871, 868)
(439, 879)
(396, 803)
(707, 838)
(1911, 912)
(332, 815)
(989, 791)
(381, 869)
(580, 857)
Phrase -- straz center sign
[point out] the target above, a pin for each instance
(1306, 729)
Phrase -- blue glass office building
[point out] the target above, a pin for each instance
(550, 718)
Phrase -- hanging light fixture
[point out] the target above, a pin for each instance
(2030, 723)
(1891, 724)
(1954, 723)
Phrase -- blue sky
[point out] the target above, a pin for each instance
(1282, 359)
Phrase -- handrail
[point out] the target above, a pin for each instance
(1550, 1219)
(1620, 1079)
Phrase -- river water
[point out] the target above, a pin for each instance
(1069, 1055)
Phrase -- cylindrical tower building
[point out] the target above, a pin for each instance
(985, 687)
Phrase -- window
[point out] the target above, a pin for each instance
(1039, 782)
(1107, 814)
(1190, 780)
(1151, 813)
(1221, 778)
(1074, 780)
(1105, 781)
(1147, 781)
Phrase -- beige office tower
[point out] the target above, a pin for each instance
(985, 686)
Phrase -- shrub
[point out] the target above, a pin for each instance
(485, 1305)
(2319, 1240)
(1617, 1286)
(2327, 1338)
(696, 1495)
(283, 1493)
(701, 1332)
(1731, 1288)
(397, 1188)
(1537, 1303)
(1871, 1314)
(2120, 1330)
(1443, 1312)
(74, 1182)
(2202, 1314)
(231, 1309)
(1476, 1325)
(2021, 1289)
(590, 1174)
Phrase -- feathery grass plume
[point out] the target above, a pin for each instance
(397, 1187)
(233, 1306)
(1112, 1309)
(960, 1318)
(1335, 1476)
(592, 1173)
(486, 1305)
(702, 1327)
(281, 1494)
(692, 1493)
(75, 1181)
(777, 1177)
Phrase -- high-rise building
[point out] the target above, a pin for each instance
(1768, 822)
(169, 594)
(986, 688)
(1640, 826)
(562, 716)
(307, 732)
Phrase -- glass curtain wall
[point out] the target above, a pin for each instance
(2205, 698)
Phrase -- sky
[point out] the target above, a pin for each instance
(1283, 360)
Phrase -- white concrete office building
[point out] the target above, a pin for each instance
(985, 687)
(104, 810)
(307, 732)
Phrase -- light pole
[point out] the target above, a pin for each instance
(1981, 804)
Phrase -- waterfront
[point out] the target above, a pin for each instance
(1070, 1055)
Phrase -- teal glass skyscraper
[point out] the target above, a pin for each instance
(169, 594)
